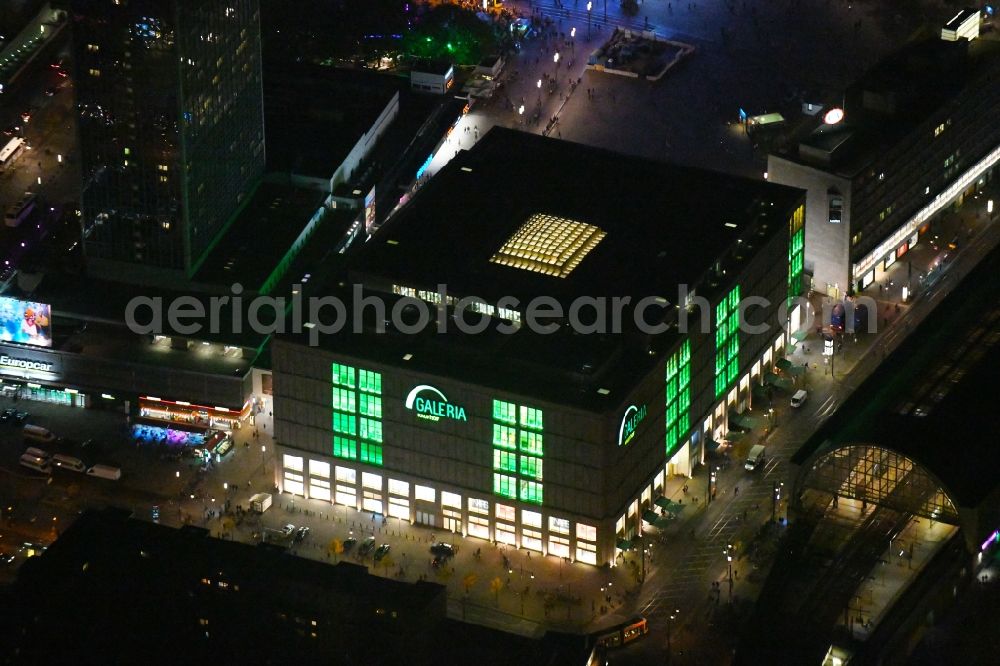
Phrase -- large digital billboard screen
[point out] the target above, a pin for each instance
(26, 322)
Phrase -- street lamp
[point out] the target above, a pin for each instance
(590, 6)
(729, 561)
(670, 622)
(775, 498)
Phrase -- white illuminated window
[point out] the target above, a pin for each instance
(586, 532)
(586, 553)
(346, 475)
(558, 525)
(451, 499)
(399, 487)
(532, 518)
(424, 493)
(292, 462)
(505, 512)
(319, 468)
(371, 480)
(479, 506)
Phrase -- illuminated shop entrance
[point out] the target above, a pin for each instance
(57, 396)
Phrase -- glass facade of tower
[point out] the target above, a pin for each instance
(171, 124)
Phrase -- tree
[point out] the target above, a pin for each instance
(335, 548)
(446, 31)
(469, 581)
(495, 586)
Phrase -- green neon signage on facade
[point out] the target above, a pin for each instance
(431, 404)
(633, 415)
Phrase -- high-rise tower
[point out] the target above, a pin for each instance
(171, 129)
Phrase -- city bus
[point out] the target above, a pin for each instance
(19, 212)
(623, 634)
(10, 152)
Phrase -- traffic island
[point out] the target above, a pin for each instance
(638, 54)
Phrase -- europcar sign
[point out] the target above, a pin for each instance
(633, 415)
(429, 403)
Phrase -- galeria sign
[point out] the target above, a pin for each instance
(633, 415)
(429, 403)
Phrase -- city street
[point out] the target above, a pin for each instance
(742, 60)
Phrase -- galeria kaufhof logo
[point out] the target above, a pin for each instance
(431, 404)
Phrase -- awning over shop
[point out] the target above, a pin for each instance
(662, 502)
(711, 446)
(800, 335)
(649, 516)
(740, 420)
(783, 364)
(759, 391)
(772, 379)
(675, 508)
(623, 544)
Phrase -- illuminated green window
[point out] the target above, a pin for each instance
(530, 491)
(727, 340)
(343, 375)
(371, 453)
(517, 427)
(371, 430)
(504, 461)
(678, 394)
(505, 485)
(504, 436)
(356, 391)
(343, 399)
(345, 448)
(531, 467)
(505, 412)
(344, 423)
(371, 405)
(796, 246)
(370, 382)
(531, 418)
(531, 442)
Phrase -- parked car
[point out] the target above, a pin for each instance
(443, 550)
(301, 533)
(349, 543)
(21, 417)
(287, 530)
(381, 551)
(7, 416)
(366, 546)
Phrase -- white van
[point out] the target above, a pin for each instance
(37, 453)
(38, 434)
(68, 462)
(36, 463)
(799, 398)
(105, 472)
(756, 458)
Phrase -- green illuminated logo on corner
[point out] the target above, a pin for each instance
(429, 403)
(633, 415)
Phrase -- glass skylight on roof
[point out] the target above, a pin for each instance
(548, 244)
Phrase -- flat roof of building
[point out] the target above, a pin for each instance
(428, 66)
(660, 225)
(926, 400)
(525, 216)
(261, 234)
(892, 99)
(141, 588)
(315, 114)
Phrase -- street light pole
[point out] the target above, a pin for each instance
(670, 622)
(589, 7)
(729, 561)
